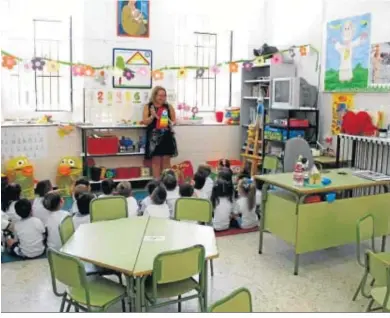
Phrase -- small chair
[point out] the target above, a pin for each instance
(365, 228)
(173, 276)
(271, 163)
(379, 269)
(108, 208)
(294, 148)
(66, 229)
(85, 293)
(195, 209)
(238, 301)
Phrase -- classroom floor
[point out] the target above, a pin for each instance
(326, 282)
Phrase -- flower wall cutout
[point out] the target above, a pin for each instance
(8, 62)
(215, 69)
(128, 73)
(37, 63)
(259, 60)
(182, 73)
(233, 67)
(52, 67)
(247, 66)
(78, 70)
(27, 66)
(276, 59)
(158, 75)
(303, 50)
(89, 71)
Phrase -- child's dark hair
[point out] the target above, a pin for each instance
(259, 184)
(225, 174)
(224, 163)
(82, 180)
(221, 189)
(124, 189)
(244, 173)
(205, 169)
(199, 180)
(79, 189)
(159, 195)
(52, 201)
(108, 186)
(11, 193)
(170, 182)
(83, 202)
(23, 208)
(249, 189)
(151, 186)
(43, 187)
(167, 172)
(186, 190)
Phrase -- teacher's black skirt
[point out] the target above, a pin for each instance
(160, 143)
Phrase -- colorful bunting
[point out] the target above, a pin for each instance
(182, 73)
(259, 61)
(303, 50)
(276, 59)
(199, 72)
(27, 66)
(215, 69)
(8, 61)
(233, 67)
(78, 70)
(37, 63)
(158, 75)
(89, 71)
(52, 67)
(247, 66)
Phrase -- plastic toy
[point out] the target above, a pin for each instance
(298, 177)
(315, 176)
(68, 171)
(126, 144)
(21, 171)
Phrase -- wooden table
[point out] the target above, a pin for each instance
(316, 226)
(120, 245)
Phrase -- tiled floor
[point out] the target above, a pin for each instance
(326, 282)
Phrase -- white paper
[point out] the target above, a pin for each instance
(154, 238)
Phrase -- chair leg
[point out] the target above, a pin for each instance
(357, 290)
(372, 282)
(212, 267)
(63, 303)
(69, 306)
(120, 278)
(201, 304)
(76, 307)
(123, 305)
(368, 309)
(179, 303)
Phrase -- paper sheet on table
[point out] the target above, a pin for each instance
(154, 238)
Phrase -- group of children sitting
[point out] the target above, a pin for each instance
(27, 228)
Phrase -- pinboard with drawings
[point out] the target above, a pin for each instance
(31, 142)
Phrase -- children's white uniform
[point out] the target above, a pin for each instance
(158, 211)
(172, 196)
(4, 220)
(144, 204)
(258, 197)
(13, 217)
(79, 219)
(249, 217)
(39, 211)
(30, 234)
(132, 206)
(222, 211)
(207, 188)
(53, 234)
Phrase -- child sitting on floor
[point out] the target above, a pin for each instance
(158, 207)
(170, 183)
(186, 190)
(200, 185)
(38, 210)
(108, 187)
(53, 202)
(222, 201)
(83, 205)
(208, 186)
(29, 233)
(11, 196)
(81, 181)
(124, 189)
(147, 200)
(244, 210)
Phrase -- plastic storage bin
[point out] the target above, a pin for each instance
(102, 146)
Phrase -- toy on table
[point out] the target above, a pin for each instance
(21, 171)
(232, 116)
(45, 119)
(69, 170)
(315, 175)
(298, 176)
(305, 166)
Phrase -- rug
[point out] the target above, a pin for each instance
(7, 258)
(235, 231)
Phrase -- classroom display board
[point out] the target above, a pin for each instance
(134, 68)
(341, 103)
(24, 141)
(380, 64)
(133, 18)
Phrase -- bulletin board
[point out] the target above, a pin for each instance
(24, 141)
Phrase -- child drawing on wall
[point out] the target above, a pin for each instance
(345, 50)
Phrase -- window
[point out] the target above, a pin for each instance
(53, 90)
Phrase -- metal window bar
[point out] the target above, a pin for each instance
(52, 47)
(204, 57)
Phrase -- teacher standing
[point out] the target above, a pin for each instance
(159, 117)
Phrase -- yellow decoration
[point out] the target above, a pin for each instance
(233, 67)
(259, 60)
(128, 96)
(21, 171)
(52, 67)
(63, 131)
(68, 171)
(182, 73)
(341, 103)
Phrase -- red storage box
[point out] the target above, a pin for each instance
(128, 173)
(299, 122)
(102, 146)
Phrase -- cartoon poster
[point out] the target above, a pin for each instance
(341, 103)
(133, 68)
(348, 53)
(133, 18)
(380, 64)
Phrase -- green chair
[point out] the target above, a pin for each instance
(173, 276)
(271, 163)
(108, 208)
(379, 268)
(365, 229)
(238, 301)
(93, 293)
(195, 209)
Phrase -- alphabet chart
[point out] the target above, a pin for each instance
(24, 141)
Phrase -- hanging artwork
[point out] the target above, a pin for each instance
(341, 104)
(380, 64)
(347, 53)
(133, 18)
(129, 62)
